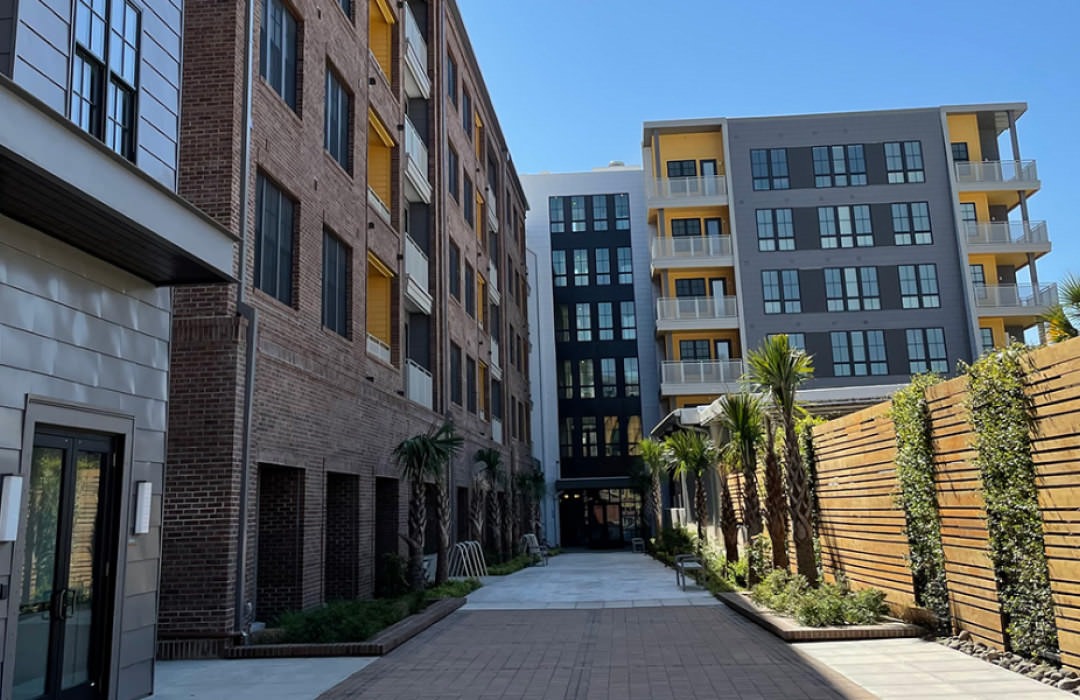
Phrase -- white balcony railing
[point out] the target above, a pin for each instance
(492, 207)
(418, 83)
(686, 187)
(416, 262)
(691, 247)
(414, 36)
(416, 167)
(701, 372)
(377, 348)
(996, 171)
(496, 430)
(1015, 296)
(1006, 233)
(378, 205)
(493, 282)
(419, 384)
(696, 308)
(496, 360)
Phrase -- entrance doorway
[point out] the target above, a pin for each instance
(599, 518)
(68, 569)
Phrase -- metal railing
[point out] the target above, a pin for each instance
(492, 207)
(996, 171)
(414, 38)
(419, 384)
(1015, 295)
(378, 348)
(695, 308)
(378, 205)
(415, 148)
(416, 262)
(496, 430)
(496, 360)
(1005, 232)
(691, 247)
(701, 372)
(493, 279)
(685, 187)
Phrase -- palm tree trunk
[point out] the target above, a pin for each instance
(494, 522)
(417, 525)
(751, 502)
(701, 507)
(729, 526)
(775, 504)
(657, 512)
(799, 498)
(477, 507)
(442, 511)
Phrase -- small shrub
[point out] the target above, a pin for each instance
(393, 580)
(821, 607)
(512, 566)
(864, 607)
(829, 604)
(452, 589)
(674, 541)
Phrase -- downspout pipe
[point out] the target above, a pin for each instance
(251, 315)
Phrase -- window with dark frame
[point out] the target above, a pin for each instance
(338, 121)
(455, 271)
(609, 381)
(566, 379)
(628, 320)
(468, 201)
(839, 166)
(613, 444)
(959, 151)
(556, 215)
(775, 230)
(694, 351)
(685, 227)
(279, 50)
(852, 289)
(583, 324)
(335, 288)
(603, 266)
(577, 213)
(919, 286)
(858, 353)
(631, 378)
(466, 112)
(682, 168)
(566, 437)
(470, 384)
(780, 289)
(769, 169)
(590, 441)
(926, 350)
(586, 379)
(558, 267)
(496, 400)
(626, 266)
(796, 341)
(911, 223)
(274, 234)
(581, 267)
(986, 339)
(605, 321)
(452, 173)
(622, 212)
(452, 79)
(470, 290)
(455, 373)
(904, 162)
(599, 212)
(690, 287)
(845, 226)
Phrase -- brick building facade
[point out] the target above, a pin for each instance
(384, 246)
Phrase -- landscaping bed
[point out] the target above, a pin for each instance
(790, 630)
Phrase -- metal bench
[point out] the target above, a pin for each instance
(531, 546)
(683, 564)
(637, 544)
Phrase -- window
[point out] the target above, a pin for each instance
(455, 271)
(852, 289)
(633, 434)
(274, 224)
(858, 353)
(466, 112)
(603, 266)
(612, 438)
(452, 174)
(960, 152)
(335, 288)
(691, 350)
(586, 380)
(566, 380)
(562, 324)
(103, 86)
(566, 437)
(558, 267)
(986, 339)
(685, 227)
(926, 350)
(277, 62)
(682, 168)
(904, 161)
(631, 379)
(609, 382)
(622, 212)
(600, 212)
(919, 287)
(470, 290)
(626, 266)
(605, 321)
(628, 320)
(455, 373)
(481, 300)
(496, 399)
(769, 168)
(775, 230)
(470, 384)
(557, 214)
(451, 79)
(584, 323)
(589, 438)
(468, 201)
(796, 341)
(581, 267)
(482, 390)
(969, 220)
(337, 125)
(839, 166)
(911, 223)
(845, 226)
(577, 213)
(781, 291)
(690, 287)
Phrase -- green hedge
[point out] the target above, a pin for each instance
(828, 604)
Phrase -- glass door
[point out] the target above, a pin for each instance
(63, 631)
(708, 177)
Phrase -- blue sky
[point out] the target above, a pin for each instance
(573, 80)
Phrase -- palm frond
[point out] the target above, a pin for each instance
(1059, 326)
(778, 369)
(690, 452)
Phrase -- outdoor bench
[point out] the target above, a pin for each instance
(683, 564)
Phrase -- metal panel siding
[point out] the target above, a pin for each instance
(872, 130)
(159, 88)
(40, 63)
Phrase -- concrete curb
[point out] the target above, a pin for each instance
(791, 631)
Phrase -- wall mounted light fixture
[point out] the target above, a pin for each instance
(144, 498)
(10, 503)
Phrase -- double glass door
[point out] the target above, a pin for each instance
(62, 637)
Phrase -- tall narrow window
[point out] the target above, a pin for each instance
(769, 168)
(852, 289)
(586, 380)
(277, 63)
(566, 380)
(558, 267)
(468, 201)
(919, 286)
(775, 230)
(603, 266)
(631, 379)
(470, 384)
(904, 161)
(581, 267)
(609, 382)
(451, 79)
(589, 439)
(605, 321)
(454, 271)
(622, 212)
(452, 170)
(455, 373)
(577, 213)
(986, 339)
(781, 291)
(628, 320)
(562, 324)
(926, 350)
(556, 214)
(335, 296)
(845, 226)
(599, 212)
(466, 112)
(470, 290)
(858, 353)
(911, 223)
(626, 266)
(566, 437)
(274, 232)
(612, 436)
(584, 323)
(337, 121)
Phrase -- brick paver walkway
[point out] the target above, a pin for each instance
(646, 653)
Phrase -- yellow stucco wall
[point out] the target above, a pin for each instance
(712, 336)
(965, 127)
(709, 274)
(701, 146)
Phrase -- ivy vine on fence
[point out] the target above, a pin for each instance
(918, 496)
(1002, 415)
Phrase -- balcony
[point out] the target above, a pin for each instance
(417, 295)
(493, 282)
(376, 203)
(496, 430)
(691, 251)
(1021, 303)
(1012, 239)
(418, 384)
(417, 185)
(664, 192)
(696, 313)
(378, 349)
(1001, 179)
(700, 377)
(417, 82)
(496, 360)
(492, 207)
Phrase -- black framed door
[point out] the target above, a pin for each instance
(64, 630)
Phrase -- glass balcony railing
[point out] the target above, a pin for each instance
(687, 188)
(418, 384)
(690, 248)
(701, 372)
(378, 348)
(1015, 296)
(696, 308)
(1005, 233)
(990, 172)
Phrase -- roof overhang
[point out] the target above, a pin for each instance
(599, 482)
(59, 180)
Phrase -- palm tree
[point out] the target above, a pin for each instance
(477, 507)
(533, 488)
(421, 457)
(693, 453)
(775, 501)
(652, 454)
(492, 469)
(778, 369)
(742, 418)
(729, 525)
(1062, 317)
